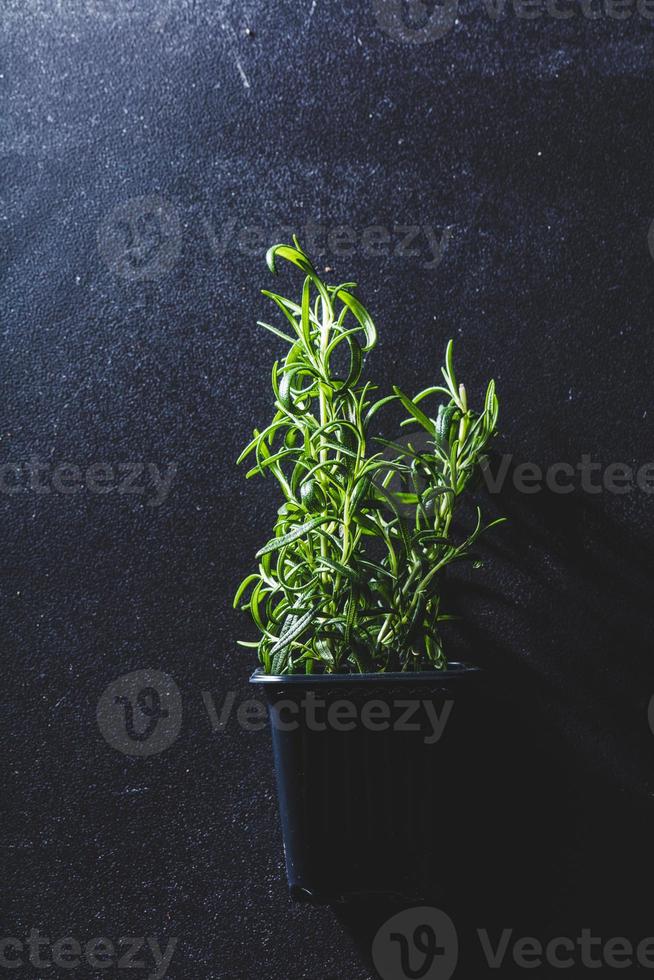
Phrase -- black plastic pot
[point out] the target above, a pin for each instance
(377, 810)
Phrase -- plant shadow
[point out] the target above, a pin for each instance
(559, 834)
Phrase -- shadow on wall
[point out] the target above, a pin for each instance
(556, 835)
(566, 607)
(564, 614)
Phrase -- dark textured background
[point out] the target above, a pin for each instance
(130, 336)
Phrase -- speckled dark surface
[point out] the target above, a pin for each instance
(531, 142)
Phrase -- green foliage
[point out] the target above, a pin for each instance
(351, 580)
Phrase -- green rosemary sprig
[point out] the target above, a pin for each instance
(351, 580)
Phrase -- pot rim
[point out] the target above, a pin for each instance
(455, 669)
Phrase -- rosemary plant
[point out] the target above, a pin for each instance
(351, 580)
